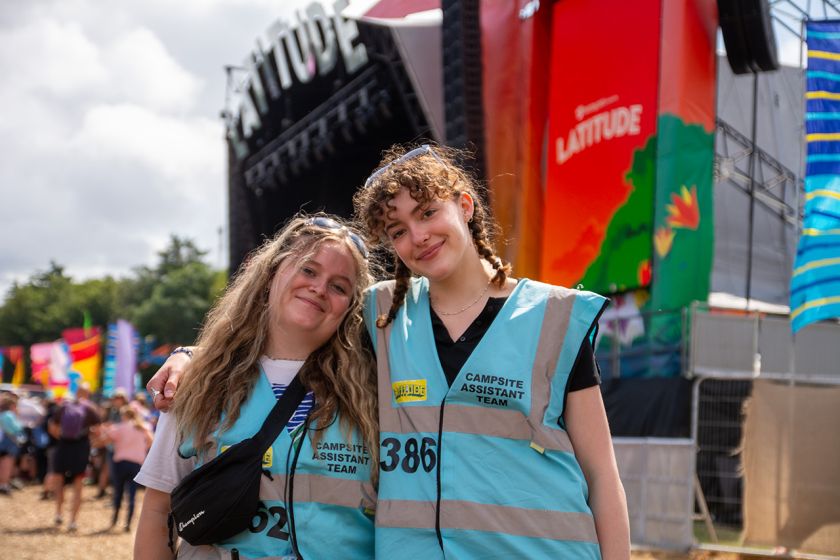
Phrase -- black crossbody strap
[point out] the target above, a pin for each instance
(280, 414)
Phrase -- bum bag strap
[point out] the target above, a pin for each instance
(280, 413)
(170, 529)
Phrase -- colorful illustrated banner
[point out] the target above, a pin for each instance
(683, 219)
(815, 283)
(630, 166)
(598, 209)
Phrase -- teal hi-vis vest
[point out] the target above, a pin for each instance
(481, 469)
(332, 500)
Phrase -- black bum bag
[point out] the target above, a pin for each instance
(218, 500)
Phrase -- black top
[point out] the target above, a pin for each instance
(454, 353)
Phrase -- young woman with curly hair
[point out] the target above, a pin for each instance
(494, 440)
(293, 309)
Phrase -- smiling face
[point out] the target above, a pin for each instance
(431, 238)
(309, 297)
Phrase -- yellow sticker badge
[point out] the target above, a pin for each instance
(267, 460)
(412, 390)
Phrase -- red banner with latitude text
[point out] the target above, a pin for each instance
(602, 108)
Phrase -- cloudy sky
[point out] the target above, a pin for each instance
(110, 130)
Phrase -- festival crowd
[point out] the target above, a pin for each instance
(73, 442)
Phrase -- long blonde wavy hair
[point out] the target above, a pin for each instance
(341, 372)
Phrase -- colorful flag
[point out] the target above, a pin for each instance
(127, 346)
(59, 369)
(15, 354)
(815, 283)
(110, 375)
(87, 323)
(85, 353)
(40, 355)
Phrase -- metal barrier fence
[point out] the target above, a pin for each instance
(658, 479)
(726, 354)
(717, 432)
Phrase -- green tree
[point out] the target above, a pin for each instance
(167, 302)
(177, 304)
(38, 310)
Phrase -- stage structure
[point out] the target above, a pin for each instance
(600, 168)
(309, 113)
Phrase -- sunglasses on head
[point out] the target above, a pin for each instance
(328, 223)
(416, 152)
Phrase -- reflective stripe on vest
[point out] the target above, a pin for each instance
(524, 433)
(459, 514)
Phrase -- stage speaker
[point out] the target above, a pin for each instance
(748, 35)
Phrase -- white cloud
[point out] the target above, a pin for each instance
(176, 148)
(142, 71)
(50, 57)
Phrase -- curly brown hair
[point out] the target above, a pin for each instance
(432, 174)
(341, 372)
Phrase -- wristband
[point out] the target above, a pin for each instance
(182, 350)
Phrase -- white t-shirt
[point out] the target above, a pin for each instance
(163, 468)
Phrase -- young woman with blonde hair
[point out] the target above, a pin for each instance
(293, 309)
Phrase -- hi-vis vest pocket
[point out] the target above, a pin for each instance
(411, 390)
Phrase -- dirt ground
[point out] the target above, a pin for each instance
(27, 531)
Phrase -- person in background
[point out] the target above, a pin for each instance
(40, 441)
(102, 448)
(131, 438)
(72, 423)
(52, 430)
(11, 436)
(33, 462)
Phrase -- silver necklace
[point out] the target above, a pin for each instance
(476, 300)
